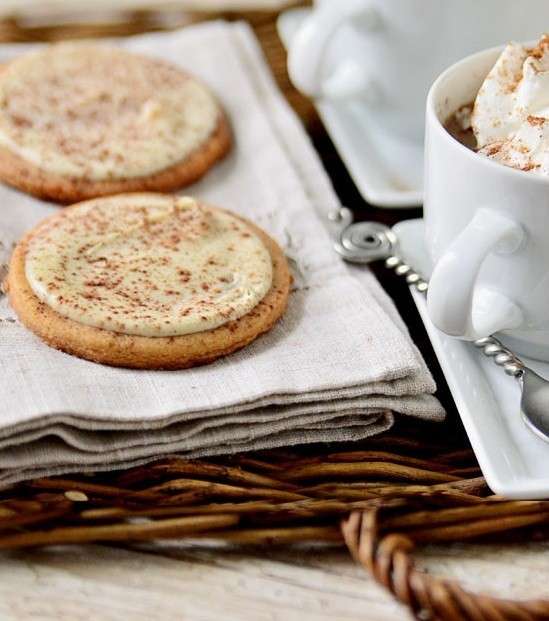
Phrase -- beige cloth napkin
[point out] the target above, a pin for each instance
(337, 367)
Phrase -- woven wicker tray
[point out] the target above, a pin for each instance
(381, 498)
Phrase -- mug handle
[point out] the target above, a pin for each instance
(454, 279)
(307, 52)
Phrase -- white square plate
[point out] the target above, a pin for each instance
(514, 461)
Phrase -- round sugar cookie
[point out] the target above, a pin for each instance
(79, 120)
(148, 281)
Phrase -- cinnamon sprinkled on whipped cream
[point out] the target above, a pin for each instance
(88, 111)
(510, 118)
(148, 265)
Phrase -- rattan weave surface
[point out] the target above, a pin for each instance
(380, 499)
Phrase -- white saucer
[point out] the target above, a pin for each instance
(514, 461)
(387, 173)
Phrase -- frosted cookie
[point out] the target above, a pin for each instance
(148, 281)
(79, 120)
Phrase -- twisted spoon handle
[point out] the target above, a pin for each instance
(400, 268)
(365, 242)
(503, 357)
(489, 345)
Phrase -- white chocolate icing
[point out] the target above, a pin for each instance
(88, 111)
(148, 265)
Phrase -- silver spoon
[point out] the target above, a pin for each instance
(366, 242)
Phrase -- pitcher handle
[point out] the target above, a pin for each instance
(306, 56)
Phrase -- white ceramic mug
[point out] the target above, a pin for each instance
(487, 229)
(387, 53)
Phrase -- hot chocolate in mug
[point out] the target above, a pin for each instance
(386, 53)
(487, 229)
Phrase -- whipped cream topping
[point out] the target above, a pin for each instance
(510, 118)
(89, 111)
(148, 265)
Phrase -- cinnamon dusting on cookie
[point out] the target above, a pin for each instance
(100, 113)
(148, 265)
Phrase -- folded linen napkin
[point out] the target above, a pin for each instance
(336, 367)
